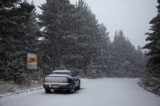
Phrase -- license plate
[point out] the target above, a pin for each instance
(54, 86)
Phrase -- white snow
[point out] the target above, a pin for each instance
(95, 92)
(62, 71)
(58, 75)
(41, 38)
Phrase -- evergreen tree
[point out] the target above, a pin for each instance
(13, 15)
(101, 56)
(74, 37)
(55, 18)
(92, 39)
(153, 64)
(85, 27)
(125, 60)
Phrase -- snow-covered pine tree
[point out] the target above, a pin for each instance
(56, 19)
(13, 15)
(92, 39)
(125, 60)
(73, 35)
(153, 64)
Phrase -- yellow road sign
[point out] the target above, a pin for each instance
(31, 61)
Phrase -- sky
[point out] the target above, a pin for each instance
(131, 16)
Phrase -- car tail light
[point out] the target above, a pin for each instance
(66, 81)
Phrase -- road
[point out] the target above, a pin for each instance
(95, 92)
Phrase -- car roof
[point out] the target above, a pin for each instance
(62, 71)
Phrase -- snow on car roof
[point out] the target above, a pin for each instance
(62, 71)
(58, 75)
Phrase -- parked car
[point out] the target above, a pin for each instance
(61, 80)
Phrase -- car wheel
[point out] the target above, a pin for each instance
(72, 89)
(47, 90)
(79, 86)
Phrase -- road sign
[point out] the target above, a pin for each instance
(31, 61)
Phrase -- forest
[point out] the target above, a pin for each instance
(73, 39)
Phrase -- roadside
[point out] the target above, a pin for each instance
(151, 84)
(8, 88)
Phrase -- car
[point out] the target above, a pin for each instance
(61, 80)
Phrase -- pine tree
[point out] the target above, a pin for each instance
(125, 60)
(153, 64)
(56, 19)
(101, 56)
(74, 37)
(92, 39)
(13, 15)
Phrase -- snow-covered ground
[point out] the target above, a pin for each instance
(95, 92)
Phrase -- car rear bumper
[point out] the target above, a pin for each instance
(57, 86)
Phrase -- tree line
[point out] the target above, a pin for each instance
(73, 39)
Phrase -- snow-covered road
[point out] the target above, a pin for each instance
(97, 92)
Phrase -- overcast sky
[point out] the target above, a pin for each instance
(131, 16)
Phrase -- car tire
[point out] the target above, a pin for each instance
(72, 89)
(47, 90)
(79, 86)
